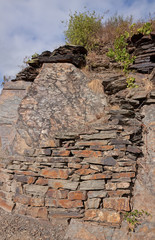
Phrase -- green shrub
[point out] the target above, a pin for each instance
(83, 28)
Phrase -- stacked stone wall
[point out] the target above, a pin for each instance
(48, 170)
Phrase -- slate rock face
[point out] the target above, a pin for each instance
(143, 47)
(58, 100)
(12, 94)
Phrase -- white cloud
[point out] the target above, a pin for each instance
(29, 26)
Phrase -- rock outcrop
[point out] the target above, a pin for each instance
(74, 146)
(143, 48)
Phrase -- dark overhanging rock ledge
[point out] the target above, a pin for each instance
(64, 54)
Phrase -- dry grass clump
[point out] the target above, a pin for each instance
(117, 25)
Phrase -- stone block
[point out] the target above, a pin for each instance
(123, 185)
(92, 185)
(84, 171)
(37, 212)
(6, 205)
(37, 202)
(101, 148)
(123, 175)
(119, 204)
(97, 176)
(98, 168)
(133, 149)
(107, 161)
(77, 195)
(55, 173)
(36, 189)
(99, 215)
(56, 184)
(97, 194)
(53, 193)
(87, 153)
(51, 202)
(42, 181)
(93, 203)
(61, 153)
(104, 135)
(25, 179)
(74, 165)
(23, 199)
(66, 203)
(92, 143)
(118, 193)
(111, 186)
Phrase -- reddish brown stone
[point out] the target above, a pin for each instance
(124, 175)
(97, 176)
(27, 173)
(62, 193)
(37, 202)
(6, 205)
(74, 165)
(65, 203)
(37, 212)
(77, 195)
(118, 193)
(102, 216)
(51, 202)
(2, 194)
(102, 148)
(61, 153)
(25, 179)
(52, 193)
(4, 176)
(119, 204)
(55, 173)
(83, 171)
(87, 153)
(42, 181)
(23, 199)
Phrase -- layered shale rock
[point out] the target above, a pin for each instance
(143, 48)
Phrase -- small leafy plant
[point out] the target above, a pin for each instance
(135, 218)
(146, 29)
(120, 53)
(131, 82)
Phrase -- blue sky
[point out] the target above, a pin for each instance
(29, 26)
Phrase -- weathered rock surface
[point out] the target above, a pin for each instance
(70, 104)
(74, 152)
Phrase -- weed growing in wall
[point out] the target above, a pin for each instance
(135, 218)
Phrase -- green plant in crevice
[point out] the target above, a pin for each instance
(134, 218)
(131, 82)
(120, 53)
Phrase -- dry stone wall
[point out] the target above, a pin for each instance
(74, 152)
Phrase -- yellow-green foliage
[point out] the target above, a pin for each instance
(82, 29)
(120, 53)
(146, 29)
(135, 218)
